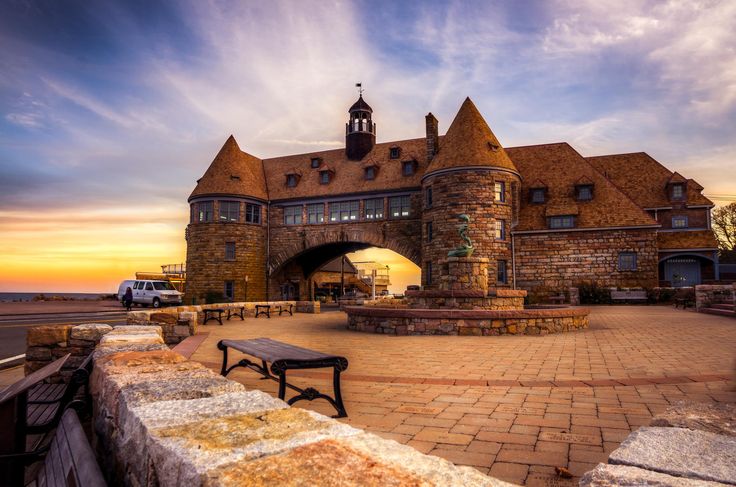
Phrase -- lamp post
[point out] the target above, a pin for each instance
(245, 298)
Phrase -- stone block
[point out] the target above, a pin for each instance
(719, 418)
(169, 318)
(620, 475)
(132, 338)
(38, 354)
(679, 452)
(47, 335)
(92, 332)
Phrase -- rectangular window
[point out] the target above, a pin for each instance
(502, 276)
(407, 168)
(562, 222)
(429, 232)
(679, 222)
(500, 230)
(316, 161)
(370, 173)
(229, 290)
(374, 209)
(293, 215)
(252, 213)
(229, 250)
(677, 192)
(205, 211)
(229, 211)
(344, 211)
(399, 206)
(627, 261)
(585, 193)
(538, 195)
(324, 177)
(291, 180)
(394, 152)
(499, 191)
(193, 213)
(316, 213)
(428, 199)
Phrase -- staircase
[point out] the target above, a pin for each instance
(720, 309)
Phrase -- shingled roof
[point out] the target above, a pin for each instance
(349, 175)
(562, 167)
(645, 180)
(696, 239)
(470, 142)
(233, 172)
(361, 105)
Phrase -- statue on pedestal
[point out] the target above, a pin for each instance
(465, 250)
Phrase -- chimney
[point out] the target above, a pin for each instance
(433, 143)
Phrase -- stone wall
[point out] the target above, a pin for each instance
(557, 261)
(161, 420)
(499, 299)
(707, 294)
(462, 322)
(208, 268)
(46, 343)
(472, 193)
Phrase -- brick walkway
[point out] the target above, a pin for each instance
(512, 406)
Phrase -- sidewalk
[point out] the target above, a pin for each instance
(57, 307)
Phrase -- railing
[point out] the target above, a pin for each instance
(177, 269)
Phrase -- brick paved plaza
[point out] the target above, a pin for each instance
(512, 406)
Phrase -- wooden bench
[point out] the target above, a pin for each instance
(233, 312)
(283, 357)
(69, 459)
(47, 402)
(263, 309)
(213, 314)
(628, 296)
(286, 308)
(13, 420)
(558, 299)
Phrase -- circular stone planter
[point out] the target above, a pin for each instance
(409, 321)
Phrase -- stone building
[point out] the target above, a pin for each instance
(546, 216)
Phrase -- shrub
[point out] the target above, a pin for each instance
(592, 293)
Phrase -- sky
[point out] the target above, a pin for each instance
(110, 111)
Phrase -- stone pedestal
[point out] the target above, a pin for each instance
(464, 274)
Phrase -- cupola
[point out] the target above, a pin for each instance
(360, 131)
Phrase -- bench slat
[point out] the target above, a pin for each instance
(46, 392)
(272, 350)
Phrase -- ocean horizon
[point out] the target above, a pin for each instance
(28, 296)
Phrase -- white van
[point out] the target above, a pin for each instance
(155, 293)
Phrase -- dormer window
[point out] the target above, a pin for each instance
(678, 191)
(679, 221)
(565, 221)
(291, 180)
(538, 195)
(370, 173)
(584, 192)
(324, 177)
(394, 152)
(316, 161)
(408, 168)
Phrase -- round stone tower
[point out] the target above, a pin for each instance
(471, 175)
(226, 235)
(360, 131)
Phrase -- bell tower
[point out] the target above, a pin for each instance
(360, 131)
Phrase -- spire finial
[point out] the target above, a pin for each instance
(360, 88)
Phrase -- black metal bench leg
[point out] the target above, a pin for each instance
(341, 413)
(282, 385)
(223, 370)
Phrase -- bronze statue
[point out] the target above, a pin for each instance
(465, 250)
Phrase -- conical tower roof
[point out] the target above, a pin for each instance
(470, 142)
(233, 172)
(361, 105)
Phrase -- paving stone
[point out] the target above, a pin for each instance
(680, 452)
(719, 418)
(620, 475)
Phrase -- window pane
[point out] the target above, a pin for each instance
(293, 215)
(316, 213)
(537, 196)
(679, 222)
(429, 198)
(502, 277)
(205, 211)
(500, 230)
(252, 213)
(585, 193)
(499, 190)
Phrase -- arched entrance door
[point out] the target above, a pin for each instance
(682, 271)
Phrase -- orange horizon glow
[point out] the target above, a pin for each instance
(92, 251)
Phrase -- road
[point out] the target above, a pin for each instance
(13, 328)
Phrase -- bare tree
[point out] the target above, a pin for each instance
(724, 226)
